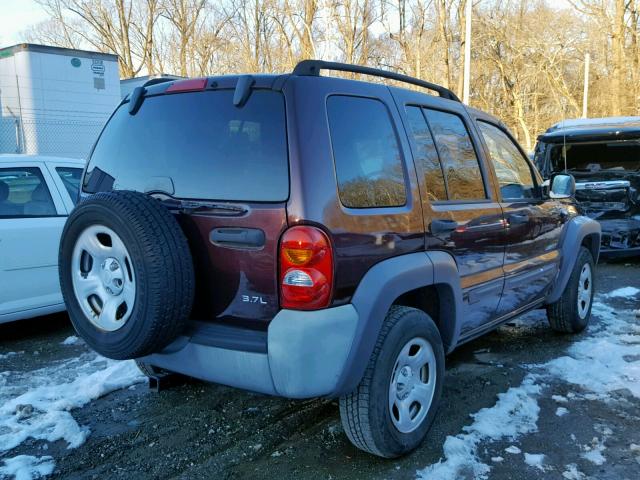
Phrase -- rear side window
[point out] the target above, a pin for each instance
(71, 180)
(427, 155)
(199, 145)
(366, 152)
(458, 157)
(24, 193)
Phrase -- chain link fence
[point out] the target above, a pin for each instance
(63, 134)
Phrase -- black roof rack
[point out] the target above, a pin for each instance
(313, 67)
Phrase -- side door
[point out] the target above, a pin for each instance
(462, 215)
(32, 216)
(534, 222)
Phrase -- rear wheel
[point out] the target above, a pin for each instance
(571, 313)
(393, 407)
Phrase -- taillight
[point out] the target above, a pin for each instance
(306, 269)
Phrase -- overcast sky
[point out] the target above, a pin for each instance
(17, 16)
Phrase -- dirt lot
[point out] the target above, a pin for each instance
(197, 430)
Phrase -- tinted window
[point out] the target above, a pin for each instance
(593, 157)
(512, 170)
(427, 156)
(24, 193)
(199, 144)
(71, 179)
(458, 157)
(366, 153)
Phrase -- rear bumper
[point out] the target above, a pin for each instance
(305, 355)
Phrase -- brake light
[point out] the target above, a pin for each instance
(190, 85)
(306, 269)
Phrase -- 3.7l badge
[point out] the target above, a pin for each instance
(253, 299)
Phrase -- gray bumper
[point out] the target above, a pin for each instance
(306, 355)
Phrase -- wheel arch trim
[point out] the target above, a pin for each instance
(378, 290)
(577, 230)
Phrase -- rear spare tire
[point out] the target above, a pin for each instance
(126, 274)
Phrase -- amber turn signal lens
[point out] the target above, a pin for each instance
(297, 256)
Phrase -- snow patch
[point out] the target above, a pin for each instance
(560, 411)
(513, 450)
(593, 452)
(27, 467)
(37, 404)
(572, 473)
(515, 413)
(600, 363)
(535, 460)
(72, 340)
(9, 354)
(623, 292)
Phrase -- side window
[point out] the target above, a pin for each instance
(512, 169)
(24, 193)
(458, 157)
(366, 153)
(427, 155)
(71, 179)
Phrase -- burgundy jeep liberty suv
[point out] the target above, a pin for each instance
(304, 235)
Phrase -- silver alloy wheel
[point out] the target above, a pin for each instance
(103, 278)
(585, 286)
(413, 384)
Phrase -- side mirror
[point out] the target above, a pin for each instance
(562, 186)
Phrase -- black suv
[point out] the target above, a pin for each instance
(603, 154)
(304, 235)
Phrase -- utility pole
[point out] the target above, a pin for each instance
(585, 93)
(467, 54)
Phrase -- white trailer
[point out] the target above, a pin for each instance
(54, 101)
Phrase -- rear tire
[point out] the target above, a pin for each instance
(126, 274)
(572, 311)
(374, 416)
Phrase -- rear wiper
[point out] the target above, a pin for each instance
(189, 207)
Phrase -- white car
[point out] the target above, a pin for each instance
(36, 195)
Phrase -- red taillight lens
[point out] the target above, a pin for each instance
(191, 85)
(306, 269)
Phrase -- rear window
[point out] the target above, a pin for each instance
(593, 157)
(199, 145)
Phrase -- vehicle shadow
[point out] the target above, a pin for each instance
(32, 328)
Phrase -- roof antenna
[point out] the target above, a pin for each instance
(564, 136)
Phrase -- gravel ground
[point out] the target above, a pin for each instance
(197, 430)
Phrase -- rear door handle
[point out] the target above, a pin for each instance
(243, 238)
(518, 219)
(443, 226)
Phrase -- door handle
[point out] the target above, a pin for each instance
(443, 226)
(247, 238)
(518, 219)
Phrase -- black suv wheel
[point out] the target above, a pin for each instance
(393, 407)
(571, 313)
